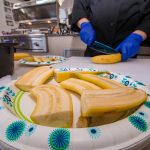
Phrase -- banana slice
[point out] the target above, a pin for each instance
(98, 102)
(77, 85)
(44, 59)
(29, 59)
(64, 75)
(37, 59)
(53, 106)
(34, 77)
(102, 82)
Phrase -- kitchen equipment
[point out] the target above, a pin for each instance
(102, 48)
(36, 10)
(31, 42)
(6, 58)
(127, 133)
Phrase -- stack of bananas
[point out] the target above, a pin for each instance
(108, 102)
(102, 100)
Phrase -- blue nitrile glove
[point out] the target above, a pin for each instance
(87, 33)
(130, 46)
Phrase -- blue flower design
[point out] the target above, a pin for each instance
(15, 130)
(142, 114)
(125, 81)
(139, 83)
(6, 98)
(112, 76)
(139, 123)
(59, 139)
(30, 130)
(133, 84)
(91, 69)
(147, 104)
(94, 132)
(128, 77)
(64, 69)
(2, 88)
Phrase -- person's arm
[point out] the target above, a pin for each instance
(79, 12)
(131, 45)
(81, 23)
(143, 28)
(141, 33)
(82, 20)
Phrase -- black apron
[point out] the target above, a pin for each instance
(113, 20)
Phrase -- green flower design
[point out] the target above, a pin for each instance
(15, 130)
(147, 104)
(59, 139)
(139, 123)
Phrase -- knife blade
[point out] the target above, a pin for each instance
(102, 48)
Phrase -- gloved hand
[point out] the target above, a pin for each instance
(130, 46)
(87, 33)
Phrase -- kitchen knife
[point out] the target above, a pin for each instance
(102, 48)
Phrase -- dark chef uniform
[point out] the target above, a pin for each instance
(113, 20)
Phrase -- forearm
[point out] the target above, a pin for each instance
(82, 20)
(142, 33)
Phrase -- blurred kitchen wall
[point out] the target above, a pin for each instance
(6, 17)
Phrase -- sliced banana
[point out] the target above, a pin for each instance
(102, 82)
(77, 85)
(53, 106)
(99, 102)
(36, 76)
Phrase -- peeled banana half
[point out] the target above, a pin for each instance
(53, 106)
(98, 102)
(102, 82)
(77, 85)
(35, 77)
(107, 59)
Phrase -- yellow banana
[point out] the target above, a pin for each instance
(53, 106)
(64, 75)
(77, 85)
(34, 77)
(98, 102)
(107, 59)
(37, 59)
(18, 56)
(102, 82)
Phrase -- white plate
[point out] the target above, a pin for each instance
(21, 133)
(60, 59)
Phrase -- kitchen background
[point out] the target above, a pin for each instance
(42, 26)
